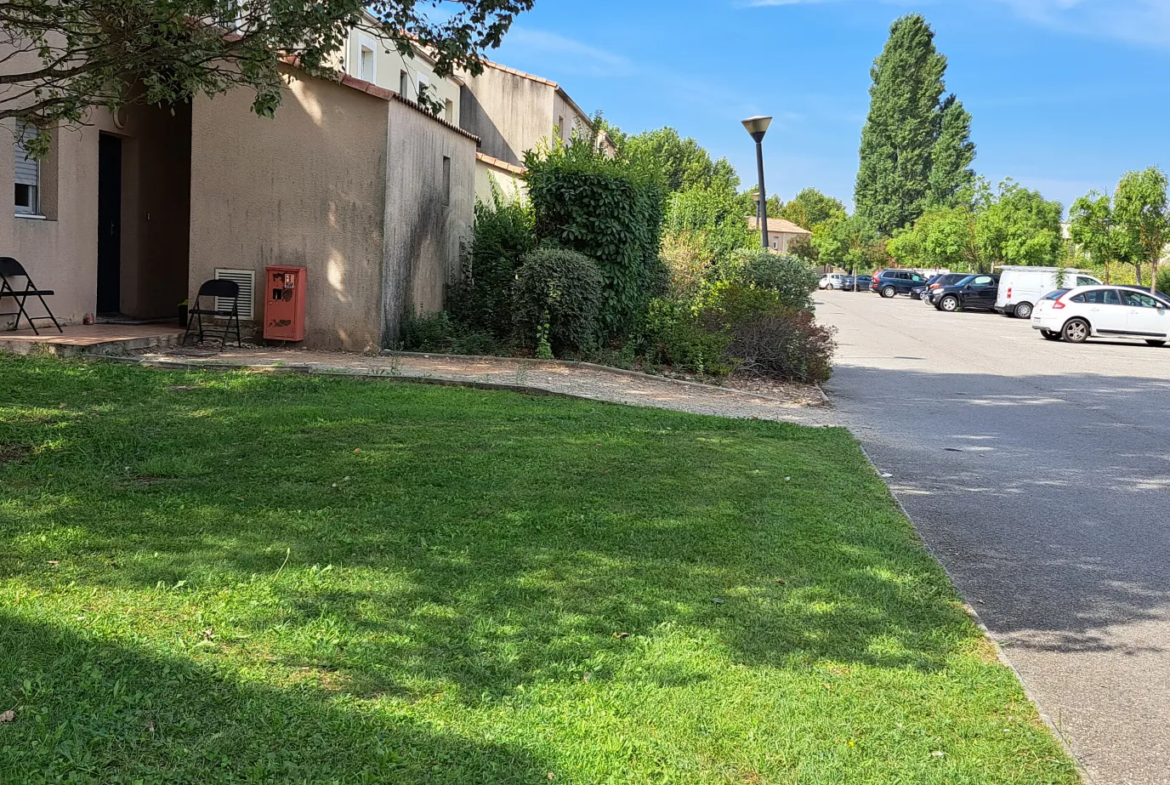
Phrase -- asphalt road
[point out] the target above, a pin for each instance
(1039, 474)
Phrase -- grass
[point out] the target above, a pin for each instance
(210, 578)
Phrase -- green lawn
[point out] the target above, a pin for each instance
(212, 577)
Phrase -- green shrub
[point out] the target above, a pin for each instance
(432, 332)
(793, 279)
(558, 295)
(715, 216)
(728, 303)
(482, 299)
(610, 210)
(676, 335)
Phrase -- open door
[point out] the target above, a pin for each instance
(109, 273)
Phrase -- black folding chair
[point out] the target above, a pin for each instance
(224, 290)
(9, 269)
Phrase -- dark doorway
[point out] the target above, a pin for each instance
(109, 274)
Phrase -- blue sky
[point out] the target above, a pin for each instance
(1066, 94)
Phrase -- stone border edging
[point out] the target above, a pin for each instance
(605, 369)
(308, 370)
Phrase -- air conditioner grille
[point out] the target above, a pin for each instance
(246, 279)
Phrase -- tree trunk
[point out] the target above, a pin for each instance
(1154, 277)
(1107, 276)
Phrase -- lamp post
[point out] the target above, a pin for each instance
(757, 127)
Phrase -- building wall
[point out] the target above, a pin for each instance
(305, 188)
(573, 119)
(60, 252)
(510, 114)
(388, 68)
(782, 241)
(425, 229)
(509, 182)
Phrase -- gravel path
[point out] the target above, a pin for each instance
(804, 406)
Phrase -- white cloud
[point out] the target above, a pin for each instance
(1144, 22)
(1134, 21)
(576, 56)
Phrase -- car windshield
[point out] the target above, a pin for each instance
(964, 280)
(1056, 295)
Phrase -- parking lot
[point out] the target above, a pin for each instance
(1039, 474)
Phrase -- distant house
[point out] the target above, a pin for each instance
(513, 112)
(781, 233)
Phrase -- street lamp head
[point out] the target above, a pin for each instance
(757, 127)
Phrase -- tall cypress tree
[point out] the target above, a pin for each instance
(908, 130)
(952, 154)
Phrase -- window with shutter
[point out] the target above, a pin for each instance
(28, 176)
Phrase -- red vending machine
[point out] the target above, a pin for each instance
(284, 303)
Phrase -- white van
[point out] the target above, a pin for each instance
(832, 281)
(1020, 288)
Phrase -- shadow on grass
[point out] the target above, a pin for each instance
(109, 713)
(484, 541)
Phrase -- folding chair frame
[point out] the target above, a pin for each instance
(10, 268)
(215, 288)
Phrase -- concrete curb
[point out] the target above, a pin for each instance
(308, 370)
(602, 368)
(975, 617)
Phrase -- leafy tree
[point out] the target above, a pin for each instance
(802, 248)
(66, 57)
(910, 132)
(1143, 216)
(849, 242)
(1019, 226)
(811, 207)
(1093, 227)
(748, 201)
(609, 209)
(713, 215)
(944, 237)
(683, 162)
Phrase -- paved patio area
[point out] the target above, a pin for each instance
(91, 339)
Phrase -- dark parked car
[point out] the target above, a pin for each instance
(973, 292)
(889, 283)
(936, 282)
(863, 282)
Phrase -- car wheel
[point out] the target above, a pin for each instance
(889, 292)
(949, 303)
(1050, 336)
(1156, 343)
(829, 288)
(1076, 331)
(1023, 311)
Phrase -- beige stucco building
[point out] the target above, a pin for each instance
(373, 195)
(369, 57)
(512, 112)
(781, 233)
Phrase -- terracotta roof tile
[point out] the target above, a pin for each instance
(501, 164)
(777, 225)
